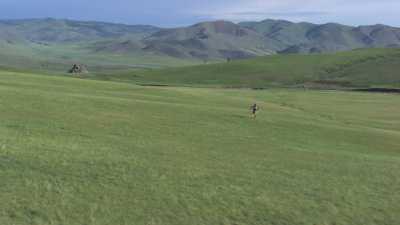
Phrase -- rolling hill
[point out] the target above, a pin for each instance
(331, 37)
(224, 39)
(55, 44)
(220, 39)
(58, 31)
(357, 68)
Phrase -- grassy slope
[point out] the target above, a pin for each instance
(87, 152)
(60, 58)
(54, 45)
(370, 67)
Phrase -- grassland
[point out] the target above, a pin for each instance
(76, 152)
(358, 68)
(361, 68)
(59, 58)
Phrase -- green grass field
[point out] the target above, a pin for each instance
(76, 152)
(358, 68)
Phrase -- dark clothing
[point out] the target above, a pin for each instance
(254, 108)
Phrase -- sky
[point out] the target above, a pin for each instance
(171, 13)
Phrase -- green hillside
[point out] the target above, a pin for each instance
(60, 31)
(211, 40)
(76, 152)
(56, 43)
(358, 68)
(286, 32)
(60, 58)
(224, 39)
(331, 37)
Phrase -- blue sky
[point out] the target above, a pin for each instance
(170, 13)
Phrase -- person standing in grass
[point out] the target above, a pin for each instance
(254, 109)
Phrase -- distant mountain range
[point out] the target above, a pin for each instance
(208, 40)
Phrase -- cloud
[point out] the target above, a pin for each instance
(260, 15)
(305, 13)
(351, 12)
(185, 12)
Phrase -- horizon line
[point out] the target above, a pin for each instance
(191, 24)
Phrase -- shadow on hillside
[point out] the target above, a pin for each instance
(379, 90)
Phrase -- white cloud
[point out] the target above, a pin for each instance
(320, 11)
(186, 12)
